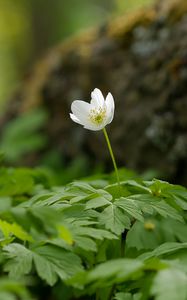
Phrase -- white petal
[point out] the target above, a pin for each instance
(110, 107)
(75, 119)
(109, 102)
(81, 110)
(110, 117)
(97, 98)
(94, 127)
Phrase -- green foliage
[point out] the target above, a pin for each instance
(170, 284)
(15, 182)
(84, 239)
(11, 289)
(50, 262)
(14, 229)
(21, 135)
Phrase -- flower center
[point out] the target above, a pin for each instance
(97, 116)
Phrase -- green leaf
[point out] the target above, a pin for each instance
(108, 273)
(174, 195)
(126, 296)
(140, 238)
(81, 186)
(136, 186)
(131, 207)
(20, 260)
(5, 203)
(78, 212)
(178, 260)
(15, 142)
(44, 214)
(91, 197)
(12, 289)
(174, 230)
(150, 204)
(114, 219)
(115, 271)
(164, 249)
(50, 262)
(123, 296)
(7, 296)
(14, 229)
(85, 243)
(95, 233)
(6, 241)
(97, 202)
(170, 284)
(65, 234)
(15, 182)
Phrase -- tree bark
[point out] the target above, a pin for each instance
(141, 58)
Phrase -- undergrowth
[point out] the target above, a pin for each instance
(85, 240)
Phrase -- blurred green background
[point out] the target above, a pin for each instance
(29, 27)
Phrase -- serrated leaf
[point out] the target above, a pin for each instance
(170, 284)
(95, 233)
(97, 202)
(83, 222)
(181, 202)
(131, 207)
(38, 199)
(98, 198)
(20, 260)
(81, 186)
(45, 269)
(78, 212)
(85, 243)
(137, 186)
(166, 210)
(175, 195)
(50, 262)
(46, 199)
(114, 219)
(150, 204)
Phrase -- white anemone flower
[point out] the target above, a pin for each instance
(96, 114)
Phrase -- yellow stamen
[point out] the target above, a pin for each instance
(97, 116)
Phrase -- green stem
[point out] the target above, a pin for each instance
(113, 158)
